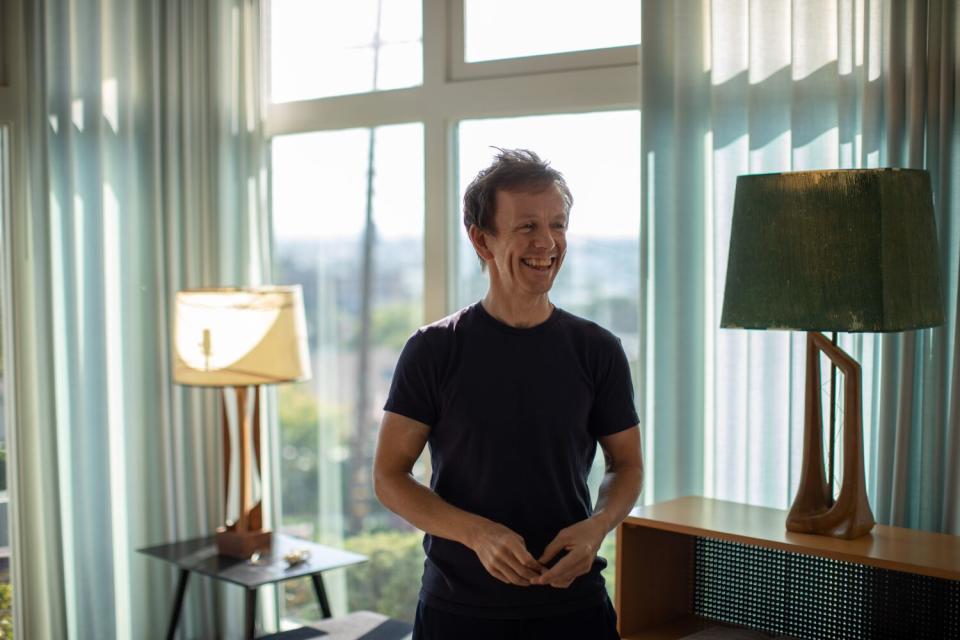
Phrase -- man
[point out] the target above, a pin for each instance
(512, 394)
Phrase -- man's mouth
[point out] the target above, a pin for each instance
(540, 264)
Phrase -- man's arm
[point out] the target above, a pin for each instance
(619, 491)
(501, 551)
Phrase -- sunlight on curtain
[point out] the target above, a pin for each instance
(790, 86)
(7, 390)
(145, 177)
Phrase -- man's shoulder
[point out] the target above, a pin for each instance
(585, 329)
(450, 324)
(439, 335)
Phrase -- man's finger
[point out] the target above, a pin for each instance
(512, 576)
(525, 558)
(525, 564)
(555, 547)
(559, 572)
(503, 566)
(499, 575)
(522, 570)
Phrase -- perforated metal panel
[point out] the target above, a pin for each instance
(810, 597)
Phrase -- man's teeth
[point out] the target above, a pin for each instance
(538, 263)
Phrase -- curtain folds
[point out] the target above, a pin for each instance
(753, 86)
(143, 139)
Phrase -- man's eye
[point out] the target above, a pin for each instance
(526, 227)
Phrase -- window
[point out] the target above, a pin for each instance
(366, 187)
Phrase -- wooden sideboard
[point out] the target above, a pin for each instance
(693, 563)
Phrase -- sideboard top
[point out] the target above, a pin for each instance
(909, 550)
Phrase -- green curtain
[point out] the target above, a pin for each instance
(141, 147)
(748, 86)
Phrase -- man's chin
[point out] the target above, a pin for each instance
(538, 289)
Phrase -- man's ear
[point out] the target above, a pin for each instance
(478, 237)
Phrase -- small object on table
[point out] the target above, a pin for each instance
(297, 556)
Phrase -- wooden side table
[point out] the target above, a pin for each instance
(693, 563)
(200, 556)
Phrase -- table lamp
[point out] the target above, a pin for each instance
(240, 338)
(844, 250)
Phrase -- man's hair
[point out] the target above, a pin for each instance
(512, 170)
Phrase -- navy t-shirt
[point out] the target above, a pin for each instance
(514, 417)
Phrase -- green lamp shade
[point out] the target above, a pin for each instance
(845, 250)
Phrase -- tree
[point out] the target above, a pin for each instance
(389, 582)
(6, 611)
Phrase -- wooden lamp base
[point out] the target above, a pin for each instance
(240, 539)
(241, 545)
(814, 510)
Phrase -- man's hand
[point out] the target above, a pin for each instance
(618, 493)
(581, 541)
(504, 555)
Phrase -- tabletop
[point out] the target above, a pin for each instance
(200, 555)
(908, 550)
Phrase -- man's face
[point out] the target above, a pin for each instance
(529, 242)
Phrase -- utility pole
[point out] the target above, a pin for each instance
(361, 493)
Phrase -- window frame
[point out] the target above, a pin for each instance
(6, 325)
(12, 192)
(454, 90)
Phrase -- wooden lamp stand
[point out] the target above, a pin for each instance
(240, 539)
(813, 509)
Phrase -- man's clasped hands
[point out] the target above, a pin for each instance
(504, 554)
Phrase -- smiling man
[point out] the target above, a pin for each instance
(512, 394)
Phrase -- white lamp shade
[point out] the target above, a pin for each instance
(240, 336)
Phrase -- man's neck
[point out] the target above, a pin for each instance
(527, 312)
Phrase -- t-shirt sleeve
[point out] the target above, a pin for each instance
(413, 391)
(613, 407)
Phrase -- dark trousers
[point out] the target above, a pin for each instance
(598, 622)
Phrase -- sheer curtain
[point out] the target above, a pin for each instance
(140, 147)
(753, 86)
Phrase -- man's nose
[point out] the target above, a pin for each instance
(543, 239)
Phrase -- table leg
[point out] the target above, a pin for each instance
(177, 603)
(251, 612)
(321, 595)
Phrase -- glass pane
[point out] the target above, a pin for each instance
(399, 65)
(352, 235)
(498, 29)
(599, 156)
(321, 49)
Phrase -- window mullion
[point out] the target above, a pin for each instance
(438, 158)
(435, 56)
(439, 250)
